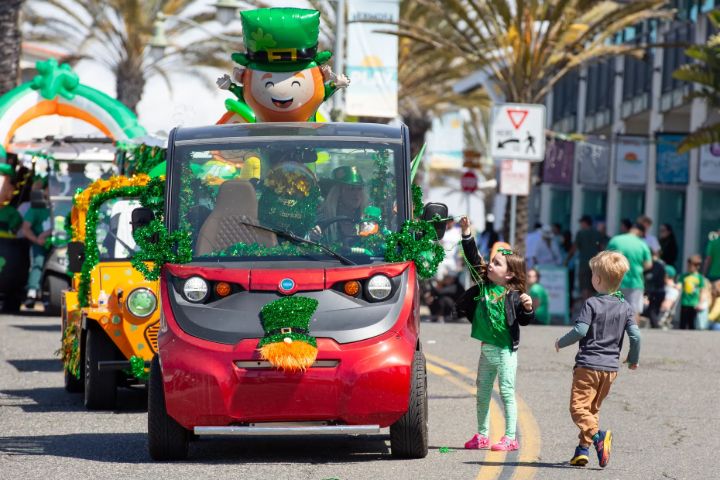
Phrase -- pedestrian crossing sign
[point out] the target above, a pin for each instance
(517, 131)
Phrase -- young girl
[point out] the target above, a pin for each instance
(496, 306)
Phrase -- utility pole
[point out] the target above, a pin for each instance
(339, 97)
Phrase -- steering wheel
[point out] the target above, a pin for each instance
(347, 240)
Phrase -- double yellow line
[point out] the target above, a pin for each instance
(529, 432)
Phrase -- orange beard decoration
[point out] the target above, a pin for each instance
(264, 109)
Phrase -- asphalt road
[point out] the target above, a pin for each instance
(664, 417)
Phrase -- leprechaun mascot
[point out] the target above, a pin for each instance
(283, 77)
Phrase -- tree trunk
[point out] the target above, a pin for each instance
(10, 44)
(418, 127)
(130, 83)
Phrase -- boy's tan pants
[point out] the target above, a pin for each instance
(589, 389)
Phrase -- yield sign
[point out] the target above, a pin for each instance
(517, 117)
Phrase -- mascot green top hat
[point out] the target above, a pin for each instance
(281, 40)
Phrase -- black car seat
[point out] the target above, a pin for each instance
(236, 207)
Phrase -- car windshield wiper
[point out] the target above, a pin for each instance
(291, 236)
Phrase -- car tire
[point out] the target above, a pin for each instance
(167, 439)
(54, 287)
(100, 386)
(409, 435)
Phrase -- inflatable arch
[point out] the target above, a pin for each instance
(58, 91)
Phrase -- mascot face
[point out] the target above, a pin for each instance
(284, 96)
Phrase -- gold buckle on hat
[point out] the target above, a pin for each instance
(285, 330)
(276, 54)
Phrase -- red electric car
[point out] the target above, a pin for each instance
(288, 209)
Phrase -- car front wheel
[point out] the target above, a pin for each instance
(409, 435)
(167, 439)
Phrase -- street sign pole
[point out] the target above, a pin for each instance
(513, 218)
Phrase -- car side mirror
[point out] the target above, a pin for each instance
(141, 217)
(75, 256)
(433, 210)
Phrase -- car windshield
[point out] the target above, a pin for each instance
(289, 198)
(114, 232)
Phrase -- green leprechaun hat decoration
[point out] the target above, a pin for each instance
(287, 343)
(281, 40)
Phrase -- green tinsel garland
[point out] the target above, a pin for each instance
(288, 312)
(140, 158)
(137, 368)
(91, 248)
(416, 241)
(159, 247)
(256, 250)
(70, 350)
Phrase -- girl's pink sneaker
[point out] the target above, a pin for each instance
(478, 442)
(505, 445)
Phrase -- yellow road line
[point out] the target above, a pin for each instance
(497, 423)
(529, 430)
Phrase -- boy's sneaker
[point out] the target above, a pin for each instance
(478, 442)
(580, 459)
(505, 445)
(603, 442)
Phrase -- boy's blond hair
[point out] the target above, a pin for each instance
(611, 267)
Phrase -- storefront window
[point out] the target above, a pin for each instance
(595, 204)
(561, 207)
(709, 217)
(671, 210)
(632, 205)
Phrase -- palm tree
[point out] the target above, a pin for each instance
(705, 72)
(526, 46)
(116, 33)
(9, 44)
(425, 82)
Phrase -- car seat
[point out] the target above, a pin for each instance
(236, 207)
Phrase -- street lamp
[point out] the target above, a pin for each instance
(158, 43)
(226, 10)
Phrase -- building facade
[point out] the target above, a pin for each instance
(627, 115)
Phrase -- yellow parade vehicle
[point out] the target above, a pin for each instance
(110, 315)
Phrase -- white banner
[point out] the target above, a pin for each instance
(709, 164)
(631, 159)
(372, 59)
(515, 177)
(555, 281)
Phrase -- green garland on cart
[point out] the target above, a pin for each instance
(416, 241)
(140, 158)
(137, 368)
(70, 350)
(158, 246)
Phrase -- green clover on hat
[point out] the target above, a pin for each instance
(281, 40)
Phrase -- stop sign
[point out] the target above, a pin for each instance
(468, 181)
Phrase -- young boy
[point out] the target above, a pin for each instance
(599, 328)
(692, 286)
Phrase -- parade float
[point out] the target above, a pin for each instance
(57, 90)
(110, 315)
(289, 288)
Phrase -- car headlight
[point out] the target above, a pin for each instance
(379, 287)
(141, 302)
(195, 289)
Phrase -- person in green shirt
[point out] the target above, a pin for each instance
(692, 285)
(712, 260)
(37, 228)
(539, 297)
(637, 252)
(10, 219)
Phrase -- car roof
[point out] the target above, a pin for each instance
(290, 129)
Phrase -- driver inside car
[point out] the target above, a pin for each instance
(343, 206)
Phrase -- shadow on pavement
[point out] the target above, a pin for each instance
(56, 399)
(37, 364)
(39, 328)
(562, 465)
(103, 447)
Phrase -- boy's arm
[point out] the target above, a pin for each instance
(633, 333)
(578, 332)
